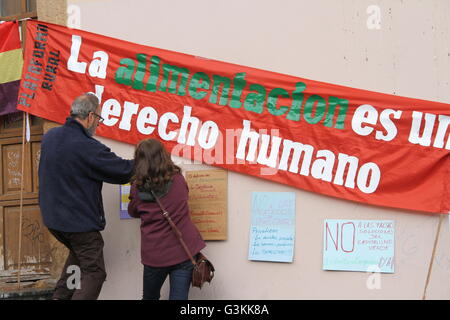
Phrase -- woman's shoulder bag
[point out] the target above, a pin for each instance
(203, 268)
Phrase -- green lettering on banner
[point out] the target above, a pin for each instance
(297, 101)
(343, 106)
(124, 74)
(175, 80)
(220, 82)
(154, 74)
(200, 80)
(140, 72)
(172, 77)
(238, 85)
(320, 109)
(273, 99)
(254, 101)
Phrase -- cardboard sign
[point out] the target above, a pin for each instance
(208, 196)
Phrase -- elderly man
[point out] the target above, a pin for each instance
(72, 169)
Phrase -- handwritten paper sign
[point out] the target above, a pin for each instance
(272, 232)
(208, 207)
(359, 245)
(124, 201)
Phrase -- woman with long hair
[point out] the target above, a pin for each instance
(161, 251)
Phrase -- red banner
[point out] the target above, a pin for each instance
(343, 142)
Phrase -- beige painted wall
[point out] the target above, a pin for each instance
(325, 40)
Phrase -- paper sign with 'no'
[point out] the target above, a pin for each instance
(359, 245)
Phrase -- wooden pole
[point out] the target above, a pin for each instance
(22, 178)
(436, 240)
(22, 11)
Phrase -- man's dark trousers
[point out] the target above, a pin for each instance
(86, 252)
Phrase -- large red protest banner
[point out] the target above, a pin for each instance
(343, 142)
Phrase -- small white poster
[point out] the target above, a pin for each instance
(272, 232)
(359, 245)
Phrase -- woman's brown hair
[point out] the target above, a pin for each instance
(153, 167)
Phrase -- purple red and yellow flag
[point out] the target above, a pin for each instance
(11, 62)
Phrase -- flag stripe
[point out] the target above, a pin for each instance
(11, 63)
(8, 97)
(9, 36)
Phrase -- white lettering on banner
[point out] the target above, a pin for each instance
(364, 114)
(444, 121)
(366, 118)
(363, 177)
(193, 121)
(162, 128)
(386, 122)
(129, 109)
(298, 149)
(246, 135)
(148, 115)
(352, 162)
(73, 64)
(111, 107)
(98, 65)
(323, 169)
(97, 68)
(425, 138)
(147, 118)
(211, 130)
(263, 148)
(367, 114)
(270, 161)
(367, 177)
